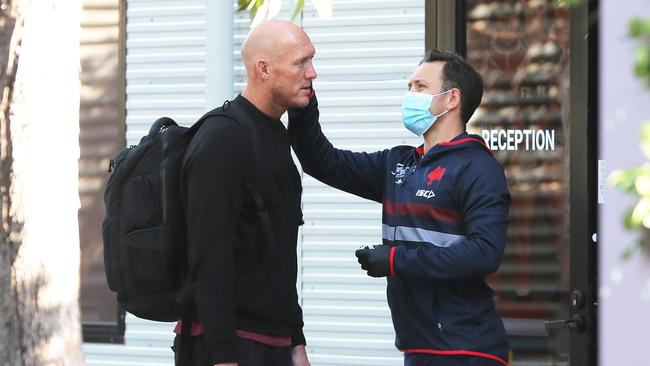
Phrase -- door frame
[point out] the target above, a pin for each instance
(584, 177)
(445, 29)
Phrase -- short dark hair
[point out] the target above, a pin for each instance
(458, 73)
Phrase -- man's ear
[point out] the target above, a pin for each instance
(262, 69)
(454, 99)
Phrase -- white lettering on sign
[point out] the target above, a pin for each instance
(519, 139)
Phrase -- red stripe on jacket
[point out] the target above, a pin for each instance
(391, 261)
(460, 352)
(421, 210)
(462, 141)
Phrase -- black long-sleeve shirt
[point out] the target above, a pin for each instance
(233, 289)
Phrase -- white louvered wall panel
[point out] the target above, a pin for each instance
(165, 63)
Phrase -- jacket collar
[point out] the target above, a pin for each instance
(460, 142)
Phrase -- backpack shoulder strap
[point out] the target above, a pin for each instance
(215, 112)
(263, 213)
(242, 119)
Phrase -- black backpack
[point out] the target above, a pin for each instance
(145, 245)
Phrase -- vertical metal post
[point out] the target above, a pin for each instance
(219, 52)
(121, 69)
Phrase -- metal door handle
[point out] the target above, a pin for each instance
(577, 323)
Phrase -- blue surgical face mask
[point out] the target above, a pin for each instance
(415, 111)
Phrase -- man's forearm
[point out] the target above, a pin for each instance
(299, 356)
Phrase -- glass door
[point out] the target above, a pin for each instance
(533, 112)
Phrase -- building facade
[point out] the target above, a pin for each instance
(539, 115)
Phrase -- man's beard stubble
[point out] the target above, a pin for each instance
(280, 98)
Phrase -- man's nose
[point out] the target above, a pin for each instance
(311, 73)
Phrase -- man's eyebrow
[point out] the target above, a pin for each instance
(416, 81)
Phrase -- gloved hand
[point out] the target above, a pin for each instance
(376, 259)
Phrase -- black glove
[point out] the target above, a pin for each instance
(375, 259)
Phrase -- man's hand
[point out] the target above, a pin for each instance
(299, 356)
(375, 259)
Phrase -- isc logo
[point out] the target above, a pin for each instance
(425, 193)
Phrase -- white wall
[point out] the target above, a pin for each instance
(624, 296)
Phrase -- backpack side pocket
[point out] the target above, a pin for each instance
(150, 264)
(144, 197)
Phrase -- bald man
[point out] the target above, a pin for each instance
(248, 312)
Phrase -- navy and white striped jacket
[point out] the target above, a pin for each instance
(446, 214)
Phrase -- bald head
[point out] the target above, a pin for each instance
(278, 59)
(271, 39)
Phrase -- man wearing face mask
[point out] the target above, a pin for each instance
(445, 215)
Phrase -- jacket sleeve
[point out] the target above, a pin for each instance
(297, 336)
(359, 173)
(484, 201)
(214, 190)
